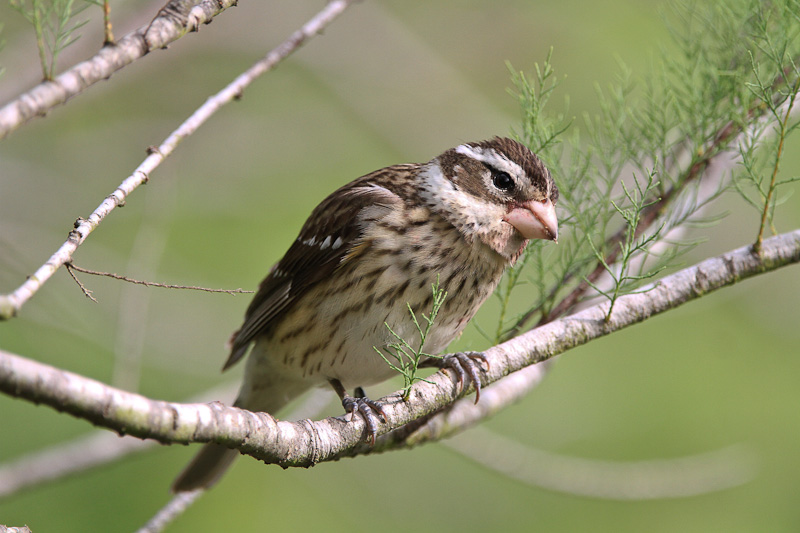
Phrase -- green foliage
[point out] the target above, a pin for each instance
(776, 47)
(55, 29)
(729, 80)
(540, 129)
(402, 356)
(632, 242)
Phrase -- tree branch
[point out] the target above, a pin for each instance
(101, 447)
(305, 443)
(172, 22)
(11, 303)
(176, 506)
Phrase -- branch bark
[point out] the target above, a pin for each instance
(11, 303)
(305, 443)
(101, 447)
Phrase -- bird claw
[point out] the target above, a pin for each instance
(370, 410)
(466, 365)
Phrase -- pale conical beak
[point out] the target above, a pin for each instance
(535, 220)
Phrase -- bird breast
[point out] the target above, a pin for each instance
(400, 263)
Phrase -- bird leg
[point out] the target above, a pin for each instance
(370, 410)
(466, 365)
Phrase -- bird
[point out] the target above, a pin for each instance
(367, 253)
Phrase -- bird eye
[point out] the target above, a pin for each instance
(503, 181)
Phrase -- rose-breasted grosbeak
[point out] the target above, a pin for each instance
(366, 251)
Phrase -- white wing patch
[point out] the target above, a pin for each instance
(325, 243)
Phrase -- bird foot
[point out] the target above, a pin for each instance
(370, 410)
(466, 365)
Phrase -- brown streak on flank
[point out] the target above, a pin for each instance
(427, 301)
(383, 296)
(340, 349)
(462, 284)
(375, 272)
(296, 332)
(311, 349)
(368, 302)
(402, 288)
(371, 284)
(346, 311)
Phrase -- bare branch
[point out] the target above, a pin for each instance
(305, 443)
(172, 22)
(11, 303)
(86, 292)
(176, 507)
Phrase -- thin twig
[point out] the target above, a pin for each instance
(86, 292)
(108, 33)
(167, 514)
(72, 266)
(11, 303)
(304, 443)
(783, 125)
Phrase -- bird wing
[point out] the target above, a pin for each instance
(329, 238)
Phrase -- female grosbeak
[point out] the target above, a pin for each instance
(369, 249)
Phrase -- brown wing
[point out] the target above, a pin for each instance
(329, 237)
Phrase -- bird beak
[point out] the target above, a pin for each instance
(535, 220)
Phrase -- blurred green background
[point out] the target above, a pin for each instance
(389, 82)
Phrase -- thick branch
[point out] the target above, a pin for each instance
(11, 303)
(101, 447)
(305, 443)
(172, 22)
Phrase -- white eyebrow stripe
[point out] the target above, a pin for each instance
(469, 151)
(491, 157)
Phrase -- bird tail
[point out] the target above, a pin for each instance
(263, 391)
(205, 469)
